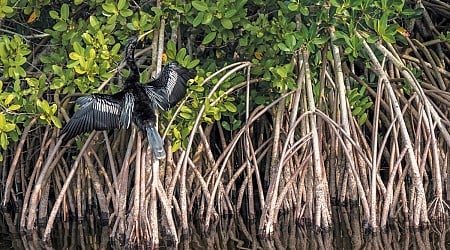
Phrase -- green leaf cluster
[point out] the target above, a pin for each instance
(5, 9)
(13, 52)
(216, 19)
(360, 103)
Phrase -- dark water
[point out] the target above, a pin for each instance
(237, 233)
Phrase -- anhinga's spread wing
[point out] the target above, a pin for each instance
(100, 112)
(170, 86)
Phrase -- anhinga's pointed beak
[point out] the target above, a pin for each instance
(141, 37)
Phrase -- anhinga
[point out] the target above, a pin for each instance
(136, 102)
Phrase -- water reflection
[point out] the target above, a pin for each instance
(238, 233)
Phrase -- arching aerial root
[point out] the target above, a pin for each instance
(438, 209)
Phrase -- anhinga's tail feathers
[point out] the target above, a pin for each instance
(155, 142)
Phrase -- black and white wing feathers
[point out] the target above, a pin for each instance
(170, 86)
(100, 112)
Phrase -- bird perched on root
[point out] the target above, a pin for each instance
(136, 102)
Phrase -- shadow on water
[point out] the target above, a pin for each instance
(238, 233)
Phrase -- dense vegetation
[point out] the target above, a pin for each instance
(296, 106)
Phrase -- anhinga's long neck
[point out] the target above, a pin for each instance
(133, 78)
